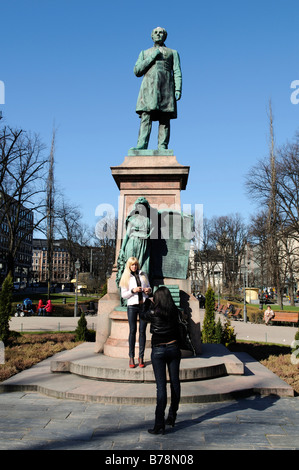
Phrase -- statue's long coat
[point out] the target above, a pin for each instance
(161, 79)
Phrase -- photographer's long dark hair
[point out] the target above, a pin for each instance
(164, 305)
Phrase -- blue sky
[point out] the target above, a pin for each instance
(70, 62)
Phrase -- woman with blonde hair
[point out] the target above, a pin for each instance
(135, 288)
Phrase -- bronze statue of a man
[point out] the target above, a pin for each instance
(161, 87)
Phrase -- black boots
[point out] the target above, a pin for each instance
(157, 429)
(160, 429)
(170, 421)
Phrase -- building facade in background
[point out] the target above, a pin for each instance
(22, 239)
(61, 262)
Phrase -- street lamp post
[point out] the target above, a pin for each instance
(218, 291)
(244, 287)
(77, 266)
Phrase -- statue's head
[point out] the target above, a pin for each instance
(141, 206)
(142, 201)
(159, 35)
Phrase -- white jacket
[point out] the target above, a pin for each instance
(126, 293)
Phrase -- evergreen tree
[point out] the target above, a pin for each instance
(5, 308)
(81, 330)
(209, 326)
(228, 334)
(212, 332)
(218, 332)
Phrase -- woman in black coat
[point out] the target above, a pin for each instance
(163, 317)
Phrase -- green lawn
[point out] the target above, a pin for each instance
(61, 309)
(255, 307)
(275, 307)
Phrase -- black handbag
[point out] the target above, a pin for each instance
(184, 340)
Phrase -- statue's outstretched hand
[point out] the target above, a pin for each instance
(177, 95)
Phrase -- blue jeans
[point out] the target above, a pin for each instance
(133, 313)
(167, 355)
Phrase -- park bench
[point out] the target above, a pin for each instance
(237, 315)
(84, 309)
(289, 317)
(219, 309)
(233, 316)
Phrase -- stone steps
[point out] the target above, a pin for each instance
(81, 374)
(215, 361)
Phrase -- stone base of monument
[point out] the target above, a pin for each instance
(117, 344)
(80, 374)
(216, 361)
(216, 375)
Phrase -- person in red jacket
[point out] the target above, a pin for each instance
(49, 307)
(40, 308)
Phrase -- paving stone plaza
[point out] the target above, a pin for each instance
(33, 421)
